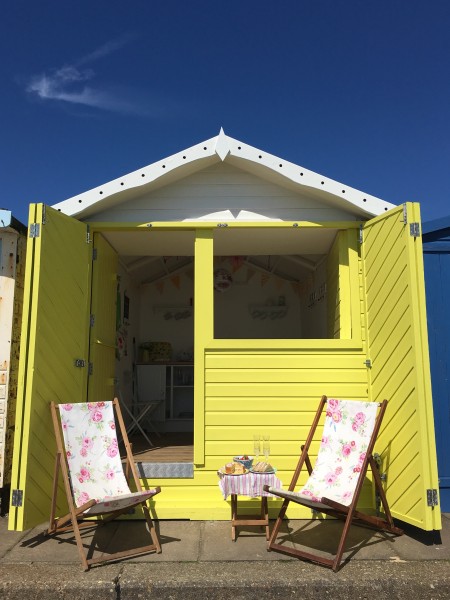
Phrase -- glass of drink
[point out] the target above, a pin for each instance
(266, 446)
(256, 446)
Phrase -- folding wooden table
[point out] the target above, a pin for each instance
(250, 485)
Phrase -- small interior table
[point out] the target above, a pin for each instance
(250, 485)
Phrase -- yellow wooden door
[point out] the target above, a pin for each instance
(103, 321)
(400, 371)
(53, 354)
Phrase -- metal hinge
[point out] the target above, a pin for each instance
(88, 235)
(368, 363)
(90, 368)
(92, 320)
(432, 498)
(405, 214)
(414, 229)
(79, 362)
(361, 234)
(35, 230)
(94, 253)
(17, 498)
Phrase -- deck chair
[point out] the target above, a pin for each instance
(335, 484)
(95, 483)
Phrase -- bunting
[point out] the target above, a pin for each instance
(264, 279)
(175, 279)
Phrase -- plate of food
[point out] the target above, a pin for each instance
(233, 469)
(263, 468)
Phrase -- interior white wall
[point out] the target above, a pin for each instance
(313, 304)
(129, 329)
(232, 315)
(155, 299)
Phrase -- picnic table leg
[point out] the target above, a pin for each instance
(233, 516)
(265, 515)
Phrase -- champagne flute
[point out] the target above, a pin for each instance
(266, 446)
(256, 446)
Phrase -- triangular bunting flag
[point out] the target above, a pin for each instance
(264, 278)
(175, 279)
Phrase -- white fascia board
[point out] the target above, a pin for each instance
(84, 203)
(223, 147)
(343, 194)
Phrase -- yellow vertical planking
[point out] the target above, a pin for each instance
(102, 342)
(395, 309)
(345, 312)
(203, 331)
(333, 306)
(54, 334)
(354, 283)
(418, 303)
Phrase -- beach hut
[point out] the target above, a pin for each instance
(12, 272)
(221, 291)
(436, 250)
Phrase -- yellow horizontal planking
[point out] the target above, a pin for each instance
(338, 359)
(298, 375)
(336, 390)
(280, 449)
(304, 405)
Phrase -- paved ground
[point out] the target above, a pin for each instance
(199, 560)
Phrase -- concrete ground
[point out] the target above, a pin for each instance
(199, 560)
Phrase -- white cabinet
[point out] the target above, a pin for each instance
(180, 392)
(174, 384)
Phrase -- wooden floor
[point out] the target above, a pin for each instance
(170, 447)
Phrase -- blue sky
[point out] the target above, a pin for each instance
(358, 91)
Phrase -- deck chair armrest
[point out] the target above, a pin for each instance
(85, 506)
(335, 505)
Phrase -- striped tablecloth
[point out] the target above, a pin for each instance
(250, 484)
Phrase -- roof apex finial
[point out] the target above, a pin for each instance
(222, 146)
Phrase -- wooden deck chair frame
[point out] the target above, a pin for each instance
(348, 514)
(59, 524)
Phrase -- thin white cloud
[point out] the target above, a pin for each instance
(68, 84)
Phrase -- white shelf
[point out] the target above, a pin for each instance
(269, 312)
(173, 312)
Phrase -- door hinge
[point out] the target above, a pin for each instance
(405, 214)
(79, 362)
(17, 498)
(361, 234)
(414, 229)
(90, 368)
(432, 498)
(35, 230)
(92, 320)
(368, 363)
(94, 253)
(88, 235)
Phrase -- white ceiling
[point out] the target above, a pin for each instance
(296, 251)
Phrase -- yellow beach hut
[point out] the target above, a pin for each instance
(219, 293)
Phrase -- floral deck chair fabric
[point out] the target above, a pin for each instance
(335, 482)
(92, 468)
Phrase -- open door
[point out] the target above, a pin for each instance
(102, 344)
(394, 291)
(53, 355)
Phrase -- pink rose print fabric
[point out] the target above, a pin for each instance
(92, 451)
(346, 434)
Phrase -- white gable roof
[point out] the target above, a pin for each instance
(214, 150)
